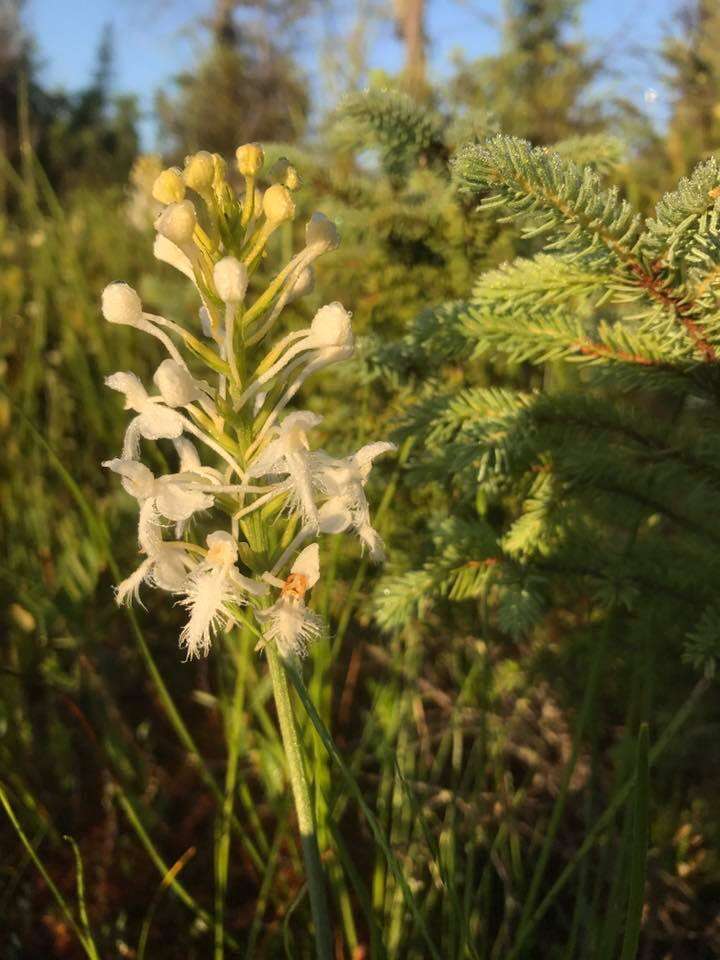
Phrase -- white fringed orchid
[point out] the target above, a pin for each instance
(166, 568)
(176, 496)
(155, 421)
(288, 454)
(228, 390)
(214, 584)
(328, 340)
(288, 622)
(342, 482)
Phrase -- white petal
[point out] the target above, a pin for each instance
(301, 420)
(365, 456)
(291, 625)
(373, 541)
(159, 423)
(169, 570)
(187, 454)
(301, 496)
(176, 384)
(137, 479)
(205, 597)
(129, 590)
(334, 516)
(135, 393)
(308, 564)
(166, 251)
(222, 548)
(190, 461)
(149, 530)
(176, 502)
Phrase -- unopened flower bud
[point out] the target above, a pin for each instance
(177, 223)
(121, 304)
(220, 172)
(169, 186)
(278, 204)
(199, 171)
(231, 280)
(176, 385)
(330, 326)
(282, 171)
(321, 230)
(250, 158)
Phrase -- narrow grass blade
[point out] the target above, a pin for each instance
(636, 895)
(82, 908)
(89, 948)
(166, 882)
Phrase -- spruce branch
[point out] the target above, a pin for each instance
(403, 129)
(567, 200)
(571, 204)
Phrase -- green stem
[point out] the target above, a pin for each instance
(303, 803)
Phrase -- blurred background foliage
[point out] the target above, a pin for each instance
(479, 713)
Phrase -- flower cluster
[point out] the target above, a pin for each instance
(226, 535)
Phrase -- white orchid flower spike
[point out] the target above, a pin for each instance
(246, 468)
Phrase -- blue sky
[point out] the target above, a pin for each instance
(155, 40)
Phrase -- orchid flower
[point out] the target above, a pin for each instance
(342, 481)
(289, 453)
(176, 496)
(166, 567)
(288, 622)
(155, 421)
(215, 583)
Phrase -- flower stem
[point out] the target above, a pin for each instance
(303, 803)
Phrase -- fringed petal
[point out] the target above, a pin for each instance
(206, 595)
(128, 592)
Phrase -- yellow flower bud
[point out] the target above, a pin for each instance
(220, 172)
(282, 171)
(169, 187)
(278, 204)
(199, 171)
(250, 158)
